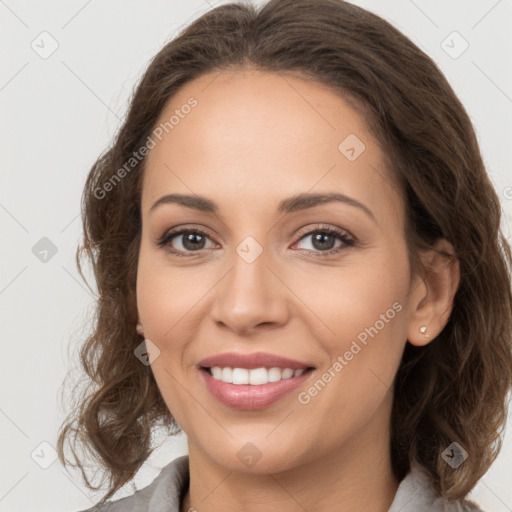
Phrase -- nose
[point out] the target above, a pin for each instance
(251, 296)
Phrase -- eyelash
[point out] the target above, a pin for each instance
(348, 241)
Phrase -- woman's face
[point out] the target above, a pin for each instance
(258, 276)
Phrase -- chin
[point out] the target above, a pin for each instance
(259, 456)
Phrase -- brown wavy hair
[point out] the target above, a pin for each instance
(453, 389)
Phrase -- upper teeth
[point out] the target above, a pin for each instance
(254, 376)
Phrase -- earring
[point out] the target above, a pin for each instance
(423, 331)
(139, 329)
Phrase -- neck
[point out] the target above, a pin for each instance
(356, 476)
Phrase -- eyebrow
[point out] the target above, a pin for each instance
(292, 204)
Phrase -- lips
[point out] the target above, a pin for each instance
(242, 394)
(250, 361)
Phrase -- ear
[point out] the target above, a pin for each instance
(432, 294)
(139, 329)
(133, 312)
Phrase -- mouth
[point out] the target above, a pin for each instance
(253, 376)
(252, 381)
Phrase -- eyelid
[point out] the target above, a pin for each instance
(307, 230)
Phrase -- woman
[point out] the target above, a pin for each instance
(340, 340)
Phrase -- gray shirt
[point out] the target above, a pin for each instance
(164, 494)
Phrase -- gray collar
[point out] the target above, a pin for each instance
(164, 494)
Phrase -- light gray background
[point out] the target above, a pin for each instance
(60, 112)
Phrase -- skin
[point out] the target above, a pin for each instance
(254, 139)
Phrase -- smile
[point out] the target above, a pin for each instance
(254, 376)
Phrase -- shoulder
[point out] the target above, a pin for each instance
(166, 489)
(416, 494)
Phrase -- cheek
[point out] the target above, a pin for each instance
(364, 297)
(371, 304)
(367, 314)
(362, 332)
(166, 296)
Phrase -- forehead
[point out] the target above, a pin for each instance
(258, 134)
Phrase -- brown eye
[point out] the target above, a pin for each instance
(323, 241)
(184, 241)
(192, 241)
